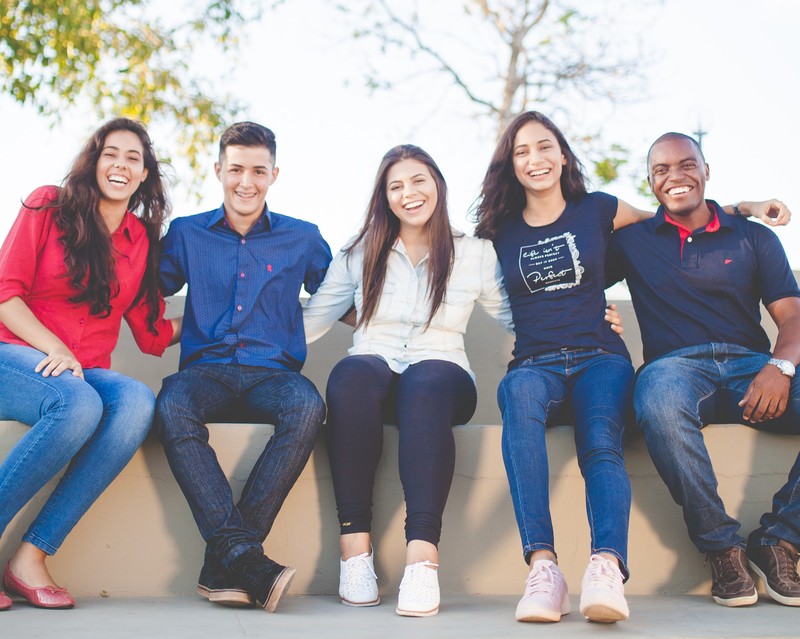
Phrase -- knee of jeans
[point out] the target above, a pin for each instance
(81, 408)
(599, 456)
(173, 414)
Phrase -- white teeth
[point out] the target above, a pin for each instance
(539, 172)
(117, 179)
(678, 190)
(413, 205)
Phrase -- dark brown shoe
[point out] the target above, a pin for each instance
(262, 578)
(731, 584)
(777, 568)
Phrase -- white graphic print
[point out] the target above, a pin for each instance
(551, 264)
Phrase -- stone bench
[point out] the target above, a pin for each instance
(140, 539)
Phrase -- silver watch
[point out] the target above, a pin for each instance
(784, 366)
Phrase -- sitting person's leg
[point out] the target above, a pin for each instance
(528, 395)
(63, 411)
(600, 396)
(432, 397)
(674, 397)
(358, 389)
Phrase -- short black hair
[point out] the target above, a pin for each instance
(247, 134)
(672, 135)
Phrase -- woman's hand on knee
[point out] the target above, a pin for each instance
(59, 361)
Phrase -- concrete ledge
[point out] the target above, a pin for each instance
(139, 539)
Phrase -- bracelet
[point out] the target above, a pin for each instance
(737, 211)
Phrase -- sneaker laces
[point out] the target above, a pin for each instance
(729, 571)
(602, 573)
(418, 582)
(540, 581)
(358, 571)
(787, 561)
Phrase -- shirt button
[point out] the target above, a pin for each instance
(244, 241)
(239, 308)
(241, 344)
(81, 321)
(688, 239)
(241, 274)
(74, 345)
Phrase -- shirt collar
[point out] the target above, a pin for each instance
(719, 220)
(129, 227)
(217, 218)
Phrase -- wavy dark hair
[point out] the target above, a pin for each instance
(501, 193)
(87, 243)
(382, 227)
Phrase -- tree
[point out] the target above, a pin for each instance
(121, 57)
(507, 56)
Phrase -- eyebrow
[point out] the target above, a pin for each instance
(537, 142)
(413, 177)
(116, 148)
(242, 166)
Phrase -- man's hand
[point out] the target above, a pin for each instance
(771, 212)
(767, 396)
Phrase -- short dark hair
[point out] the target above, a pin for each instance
(672, 135)
(247, 134)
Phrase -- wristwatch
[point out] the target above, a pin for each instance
(784, 366)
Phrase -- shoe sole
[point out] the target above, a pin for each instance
(601, 613)
(783, 599)
(231, 597)
(544, 615)
(360, 604)
(747, 600)
(417, 613)
(280, 586)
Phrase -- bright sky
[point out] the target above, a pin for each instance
(731, 65)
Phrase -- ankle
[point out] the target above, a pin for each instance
(419, 551)
(354, 544)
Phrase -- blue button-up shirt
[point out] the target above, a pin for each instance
(242, 304)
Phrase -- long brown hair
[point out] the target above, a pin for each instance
(381, 229)
(87, 242)
(502, 194)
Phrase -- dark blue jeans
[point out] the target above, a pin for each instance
(675, 397)
(230, 392)
(598, 387)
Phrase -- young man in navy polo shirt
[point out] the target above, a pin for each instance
(242, 349)
(696, 278)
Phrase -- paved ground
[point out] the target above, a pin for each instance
(461, 617)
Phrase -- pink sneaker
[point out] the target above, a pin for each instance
(546, 597)
(602, 592)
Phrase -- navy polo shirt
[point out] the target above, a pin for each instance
(555, 275)
(242, 304)
(707, 290)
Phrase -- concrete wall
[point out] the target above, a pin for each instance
(140, 539)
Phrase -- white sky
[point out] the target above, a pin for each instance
(732, 65)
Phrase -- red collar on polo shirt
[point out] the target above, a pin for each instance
(684, 233)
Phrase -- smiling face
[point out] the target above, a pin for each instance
(246, 173)
(120, 167)
(537, 158)
(677, 175)
(412, 194)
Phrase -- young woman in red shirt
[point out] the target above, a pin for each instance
(77, 260)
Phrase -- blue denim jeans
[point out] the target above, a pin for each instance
(94, 424)
(675, 397)
(598, 387)
(233, 393)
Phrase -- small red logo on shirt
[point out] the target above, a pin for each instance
(269, 267)
(728, 261)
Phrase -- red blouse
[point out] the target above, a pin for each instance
(32, 267)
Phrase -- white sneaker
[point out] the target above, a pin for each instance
(546, 597)
(419, 590)
(602, 592)
(358, 584)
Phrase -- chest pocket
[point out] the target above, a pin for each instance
(455, 310)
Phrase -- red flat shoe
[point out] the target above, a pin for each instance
(44, 597)
(5, 601)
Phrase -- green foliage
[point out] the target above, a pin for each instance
(121, 57)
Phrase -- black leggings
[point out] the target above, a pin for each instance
(425, 401)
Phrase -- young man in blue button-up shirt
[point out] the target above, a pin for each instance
(696, 278)
(242, 349)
